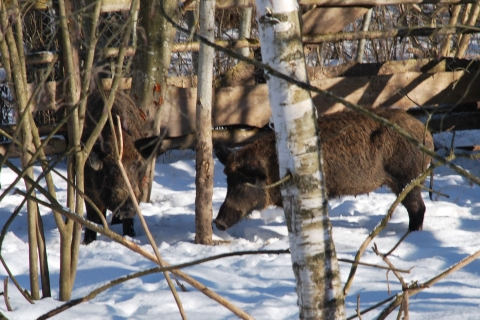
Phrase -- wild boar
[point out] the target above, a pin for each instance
(360, 155)
(104, 184)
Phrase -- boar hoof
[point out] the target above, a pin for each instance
(128, 229)
(89, 237)
(116, 219)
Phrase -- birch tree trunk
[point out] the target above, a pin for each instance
(245, 28)
(204, 161)
(305, 203)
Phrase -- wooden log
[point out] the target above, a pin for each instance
(330, 20)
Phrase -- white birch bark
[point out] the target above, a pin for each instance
(305, 203)
(245, 28)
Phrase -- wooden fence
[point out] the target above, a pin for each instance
(401, 84)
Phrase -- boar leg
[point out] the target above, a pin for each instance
(127, 225)
(116, 219)
(92, 216)
(415, 206)
(128, 229)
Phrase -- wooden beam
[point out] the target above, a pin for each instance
(54, 146)
(385, 34)
(405, 90)
(231, 137)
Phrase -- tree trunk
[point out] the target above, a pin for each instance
(305, 203)
(204, 163)
(14, 61)
(150, 67)
(362, 42)
(464, 39)
(245, 28)
(70, 231)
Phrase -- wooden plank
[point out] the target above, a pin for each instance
(405, 90)
(355, 69)
(47, 94)
(250, 105)
(330, 20)
(232, 106)
(54, 146)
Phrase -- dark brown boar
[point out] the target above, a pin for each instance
(104, 184)
(360, 155)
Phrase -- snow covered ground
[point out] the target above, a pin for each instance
(262, 285)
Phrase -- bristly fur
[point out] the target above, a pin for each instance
(104, 184)
(359, 155)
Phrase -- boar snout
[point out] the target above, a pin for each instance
(221, 225)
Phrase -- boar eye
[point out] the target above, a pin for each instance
(245, 177)
(254, 173)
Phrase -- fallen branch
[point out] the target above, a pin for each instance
(416, 288)
(3, 233)
(371, 308)
(418, 181)
(160, 261)
(398, 243)
(121, 280)
(373, 265)
(5, 294)
(54, 205)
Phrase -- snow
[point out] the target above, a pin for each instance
(261, 285)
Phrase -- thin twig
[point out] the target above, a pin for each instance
(358, 307)
(373, 265)
(5, 294)
(54, 205)
(371, 308)
(273, 185)
(121, 280)
(416, 288)
(383, 224)
(434, 191)
(385, 259)
(398, 243)
(25, 293)
(160, 261)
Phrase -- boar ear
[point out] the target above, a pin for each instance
(94, 161)
(148, 146)
(254, 168)
(222, 152)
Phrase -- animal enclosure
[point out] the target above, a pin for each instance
(414, 55)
